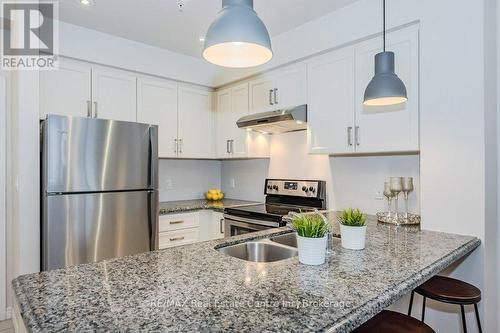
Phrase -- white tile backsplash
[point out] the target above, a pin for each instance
(187, 179)
(247, 176)
(355, 181)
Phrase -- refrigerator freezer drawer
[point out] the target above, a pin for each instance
(95, 155)
(81, 228)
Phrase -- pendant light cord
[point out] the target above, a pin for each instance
(383, 19)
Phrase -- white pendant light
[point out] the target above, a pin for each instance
(386, 88)
(237, 38)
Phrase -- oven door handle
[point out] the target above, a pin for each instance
(251, 221)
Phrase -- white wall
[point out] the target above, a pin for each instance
(90, 45)
(248, 177)
(359, 181)
(351, 181)
(3, 191)
(491, 245)
(189, 179)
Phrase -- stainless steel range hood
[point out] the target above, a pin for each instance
(279, 121)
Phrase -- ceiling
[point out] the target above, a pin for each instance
(160, 22)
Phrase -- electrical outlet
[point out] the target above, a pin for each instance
(379, 195)
(232, 183)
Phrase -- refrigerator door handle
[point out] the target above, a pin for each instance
(153, 219)
(153, 157)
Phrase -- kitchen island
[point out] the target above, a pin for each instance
(196, 288)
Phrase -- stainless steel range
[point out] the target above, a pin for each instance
(282, 196)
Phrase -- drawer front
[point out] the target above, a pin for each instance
(178, 221)
(178, 237)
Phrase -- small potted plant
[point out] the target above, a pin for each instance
(312, 238)
(352, 229)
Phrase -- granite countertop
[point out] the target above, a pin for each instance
(196, 288)
(198, 204)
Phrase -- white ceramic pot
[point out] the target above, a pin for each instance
(353, 238)
(312, 251)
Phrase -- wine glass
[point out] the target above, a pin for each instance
(407, 189)
(396, 185)
(389, 195)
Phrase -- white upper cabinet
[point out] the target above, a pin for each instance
(66, 91)
(281, 89)
(239, 108)
(234, 142)
(290, 87)
(224, 123)
(331, 103)
(391, 128)
(114, 93)
(157, 104)
(338, 121)
(196, 122)
(262, 94)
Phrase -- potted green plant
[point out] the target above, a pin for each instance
(312, 237)
(352, 229)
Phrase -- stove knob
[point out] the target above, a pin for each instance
(269, 187)
(275, 187)
(305, 189)
(312, 189)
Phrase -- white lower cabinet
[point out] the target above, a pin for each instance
(188, 228)
(217, 225)
(178, 237)
(178, 229)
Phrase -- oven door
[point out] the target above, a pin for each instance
(235, 225)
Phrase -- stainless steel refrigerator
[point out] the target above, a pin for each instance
(99, 190)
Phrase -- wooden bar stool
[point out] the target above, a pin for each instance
(452, 291)
(393, 322)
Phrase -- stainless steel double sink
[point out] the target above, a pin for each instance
(266, 250)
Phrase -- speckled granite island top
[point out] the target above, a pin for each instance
(169, 207)
(195, 288)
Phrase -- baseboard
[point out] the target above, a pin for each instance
(8, 313)
(17, 321)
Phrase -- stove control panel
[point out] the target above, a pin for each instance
(297, 188)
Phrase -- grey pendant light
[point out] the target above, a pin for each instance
(238, 37)
(386, 88)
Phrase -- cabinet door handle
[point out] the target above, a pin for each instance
(180, 146)
(349, 136)
(227, 147)
(232, 146)
(89, 109)
(275, 95)
(95, 110)
(221, 226)
(271, 97)
(176, 145)
(356, 135)
(176, 239)
(176, 222)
